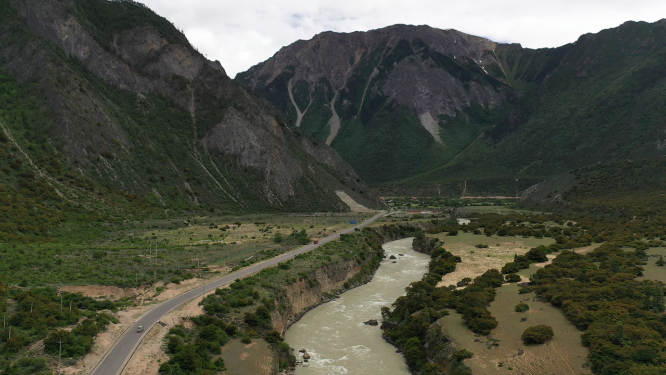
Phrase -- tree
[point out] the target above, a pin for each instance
(251, 319)
(654, 297)
(386, 313)
(510, 268)
(430, 369)
(273, 337)
(615, 265)
(414, 353)
(52, 342)
(212, 332)
(219, 364)
(190, 359)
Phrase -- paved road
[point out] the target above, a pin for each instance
(120, 353)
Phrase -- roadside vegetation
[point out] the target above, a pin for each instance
(126, 254)
(247, 308)
(63, 321)
(134, 253)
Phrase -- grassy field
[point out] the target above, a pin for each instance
(563, 355)
(651, 270)
(476, 261)
(137, 253)
(466, 210)
(253, 358)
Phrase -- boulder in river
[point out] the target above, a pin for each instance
(392, 257)
(372, 322)
(387, 324)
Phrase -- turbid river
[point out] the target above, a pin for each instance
(334, 334)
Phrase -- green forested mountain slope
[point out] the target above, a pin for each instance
(542, 112)
(598, 100)
(105, 107)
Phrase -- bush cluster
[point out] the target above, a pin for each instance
(537, 334)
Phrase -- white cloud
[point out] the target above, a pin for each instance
(242, 33)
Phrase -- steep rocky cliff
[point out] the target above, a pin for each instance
(332, 279)
(320, 285)
(419, 106)
(129, 105)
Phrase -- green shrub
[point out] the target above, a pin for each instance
(511, 267)
(537, 334)
(461, 355)
(522, 307)
(526, 289)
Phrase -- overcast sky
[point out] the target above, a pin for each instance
(242, 33)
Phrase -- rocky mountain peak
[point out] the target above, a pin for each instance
(335, 79)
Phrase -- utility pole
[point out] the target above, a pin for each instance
(59, 356)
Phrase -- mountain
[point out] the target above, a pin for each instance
(106, 106)
(380, 97)
(624, 189)
(418, 106)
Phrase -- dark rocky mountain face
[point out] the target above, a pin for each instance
(119, 99)
(419, 106)
(382, 98)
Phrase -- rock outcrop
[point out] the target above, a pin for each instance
(332, 279)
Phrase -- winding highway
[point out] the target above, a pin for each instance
(121, 352)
